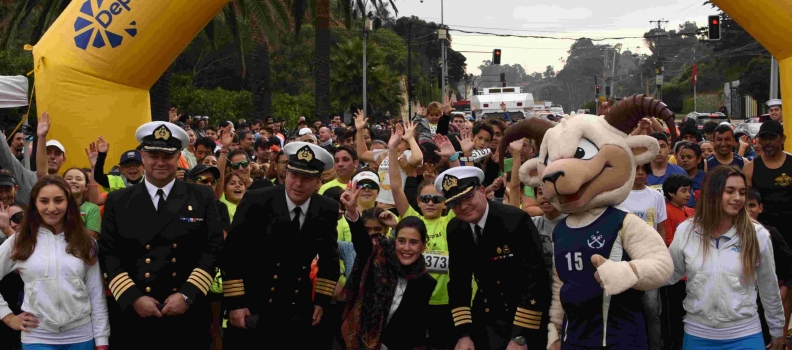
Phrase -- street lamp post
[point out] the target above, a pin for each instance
(367, 24)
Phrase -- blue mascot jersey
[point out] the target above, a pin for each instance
(592, 319)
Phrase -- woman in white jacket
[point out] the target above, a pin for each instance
(64, 304)
(727, 258)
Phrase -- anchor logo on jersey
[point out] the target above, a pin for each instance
(596, 242)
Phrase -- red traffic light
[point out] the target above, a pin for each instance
(715, 21)
(497, 52)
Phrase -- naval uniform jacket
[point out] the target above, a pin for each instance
(513, 294)
(267, 262)
(146, 253)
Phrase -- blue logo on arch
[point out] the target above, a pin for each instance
(91, 26)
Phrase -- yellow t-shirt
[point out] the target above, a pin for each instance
(672, 159)
(331, 184)
(436, 253)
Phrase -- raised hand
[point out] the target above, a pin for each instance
(43, 125)
(466, 141)
(447, 107)
(227, 136)
(101, 145)
(395, 138)
(173, 115)
(5, 219)
(92, 154)
(360, 120)
(444, 145)
(350, 196)
(409, 130)
(516, 146)
(389, 219)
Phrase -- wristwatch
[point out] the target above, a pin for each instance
(187, 300)
(519, 340)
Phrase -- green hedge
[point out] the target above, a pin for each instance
(219, 104)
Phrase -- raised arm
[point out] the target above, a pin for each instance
(41, 145)
(226, 137)
(416, 156)
(360, 138)
(514, 183)
(397, 187)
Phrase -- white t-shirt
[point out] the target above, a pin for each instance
(385, 195)
(648, 204)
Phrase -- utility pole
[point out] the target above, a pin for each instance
(773, 78)
(659, 77)
(443, 49)
(366, 27)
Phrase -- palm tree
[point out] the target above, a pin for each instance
(35, 15)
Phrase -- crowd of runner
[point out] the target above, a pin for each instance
(256, 234)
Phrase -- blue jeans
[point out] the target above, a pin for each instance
(89, 345)
(651, 303)
(751, 342)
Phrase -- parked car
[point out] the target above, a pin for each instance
(702, 118)
(553, 117)
(583, 111)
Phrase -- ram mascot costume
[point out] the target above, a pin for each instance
(603, 257)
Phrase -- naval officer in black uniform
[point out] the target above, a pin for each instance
(276, 234)
(158, 249)
(503, 253)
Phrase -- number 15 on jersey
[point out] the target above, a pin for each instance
(577, 256)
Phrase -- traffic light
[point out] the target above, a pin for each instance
(597, 88)
(475, 91)
(503, 78)
(714, 24)
(496, 56)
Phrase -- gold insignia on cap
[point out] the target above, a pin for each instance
(506, 249)
(305, 154)
(498, 250)
(162, 133)
(449, 182)
(189, 207)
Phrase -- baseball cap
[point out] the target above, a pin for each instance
(304, 131)
(131, 155)
(56, 144)
(770, 128)
(7, 180)
(366, 176)
(202, 168)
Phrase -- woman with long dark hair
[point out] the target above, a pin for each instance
(389, 289)
(64, 303)
(727, 258)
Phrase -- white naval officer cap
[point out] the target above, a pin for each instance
(161, 137)
(774, 102)
(459, 182)
(307, 158)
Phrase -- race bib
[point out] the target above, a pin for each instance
(658, 188)
(436, 261)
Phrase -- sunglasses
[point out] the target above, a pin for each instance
(243, 164)
(372, 187)
(17, 218)
(426, 198)
(205, 180)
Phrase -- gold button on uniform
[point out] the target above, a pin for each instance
(299, 279)
(497, 282)
(174, 245)
(148, 289)
(173, 274)
(275, 277)
(270, 301)
(278, 264)
(272, 289)
(173, 260)
(148, 247)
(174, 289)
(485, 301)
(148, 275)
(296, 292)
(148, 261)
(486, 310)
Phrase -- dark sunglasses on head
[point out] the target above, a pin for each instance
(243, 164)
(372, 187)
(17, 217)
(426, 198)
(205, 180)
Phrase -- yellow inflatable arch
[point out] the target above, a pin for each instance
(770, 23)
(95, 65)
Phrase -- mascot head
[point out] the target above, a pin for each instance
(588, 161)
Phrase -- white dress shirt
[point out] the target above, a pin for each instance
(303, 207)
(152, 190)
(481, 224)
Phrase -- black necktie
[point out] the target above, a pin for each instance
(478, 234)
(161, 203)
(296, 220)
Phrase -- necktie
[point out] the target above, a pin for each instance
(161, 203)
(296, 220)
(478, 234)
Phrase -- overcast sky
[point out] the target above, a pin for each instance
(555, 18)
